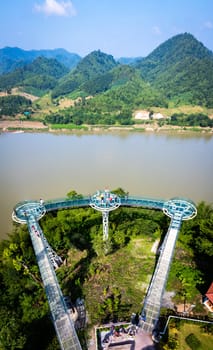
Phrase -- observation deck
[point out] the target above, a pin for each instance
(105, 202)
(30, 212)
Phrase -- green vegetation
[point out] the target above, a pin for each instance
(68, 127)
(114, 106)
(193, 342)
(41, 75)
(90, 71)
(112, 285)
(195, 119)
(187, 335)
(103, 91)
(14, 57)
(193, 257)
(182, 69)
(14, 104)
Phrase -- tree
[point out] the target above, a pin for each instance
(11, 334)
(74, 195)
(120, 192)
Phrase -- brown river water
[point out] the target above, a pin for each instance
(47, 166)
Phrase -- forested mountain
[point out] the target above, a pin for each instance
(178, 72)
(40, 75)
(89, 68)
(116, 94)
(182, 68)
(14, 57)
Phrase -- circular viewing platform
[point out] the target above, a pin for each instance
(181, 207)
(24, 210)
(105, 201)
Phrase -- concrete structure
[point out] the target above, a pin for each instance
(142, 115)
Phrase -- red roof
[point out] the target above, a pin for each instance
(209, 293)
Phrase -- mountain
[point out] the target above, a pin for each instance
(181, 68)
(179, 71)
(14, 57)
(92, 66)
(37, 77)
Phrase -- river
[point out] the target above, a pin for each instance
(43, 165)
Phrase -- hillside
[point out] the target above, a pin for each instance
(101, 90)
(14, 57)
(182, 68)
(38, 77)
(90, 67)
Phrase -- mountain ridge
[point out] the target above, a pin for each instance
(178, 67)
(179, 70)
(42, 74)
(15, 57)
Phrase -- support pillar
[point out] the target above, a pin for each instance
(105, 215)
(105, 202)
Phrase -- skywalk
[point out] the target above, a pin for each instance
(30, 212)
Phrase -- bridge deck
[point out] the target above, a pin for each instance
(152, 305)
(63, 323)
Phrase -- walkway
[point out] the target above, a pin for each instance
(63, 323)
(30, 212)
(178, 210)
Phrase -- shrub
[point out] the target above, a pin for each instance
(193, 342)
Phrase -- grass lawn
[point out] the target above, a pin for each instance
(126, 272)
(185, 109)
(188, 336)
(206, 340)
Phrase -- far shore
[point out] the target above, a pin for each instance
(36, 126)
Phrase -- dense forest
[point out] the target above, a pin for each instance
(103, 90)
(181, 68)
(38, 77)
(12, 105)
(120, 277)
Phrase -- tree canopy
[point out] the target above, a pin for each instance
(11, 105)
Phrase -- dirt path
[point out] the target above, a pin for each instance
(21, 125)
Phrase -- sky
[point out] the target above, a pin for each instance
(122, 28)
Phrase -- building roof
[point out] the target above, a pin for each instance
(209, 293)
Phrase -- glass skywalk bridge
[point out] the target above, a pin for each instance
(178, 210)
(62, 321)
(29, 212)
(152, 305)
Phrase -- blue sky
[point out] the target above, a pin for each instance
(123, 28)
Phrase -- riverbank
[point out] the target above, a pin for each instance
(36, 126)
